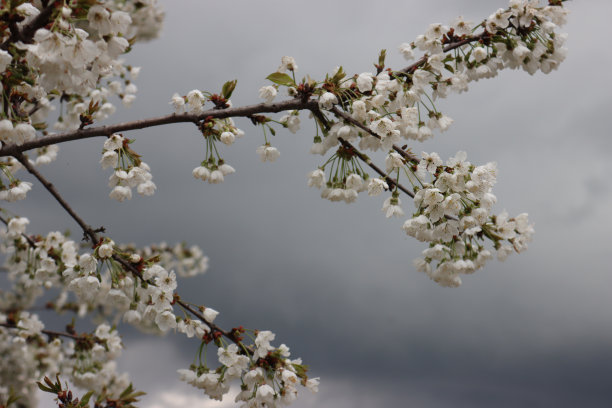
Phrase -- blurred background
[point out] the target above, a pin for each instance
(335, 282)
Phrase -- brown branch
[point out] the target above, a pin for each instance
(243, 111)
(30, 241)
(449, 47)
(87, 230)
(91, 234)
(50, 333)
(363, 127)
(374, 167)
(27, 33)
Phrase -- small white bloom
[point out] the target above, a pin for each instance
(267, 93)
(109, 159)
(201, 173)
(327, 100)
(364, 82)
(216, 177)
(121, 193)
(267, 153)
(287, 63)
(227, 138)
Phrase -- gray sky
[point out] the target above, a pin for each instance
(335, 282)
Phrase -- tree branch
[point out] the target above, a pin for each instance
(87, 230)
(243, 111)
(50, 333)
(27, 33)
(449, 47)
(30, 241)
(361, 126)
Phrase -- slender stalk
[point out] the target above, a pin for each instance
(243, 111)
(50, 333)
(87, 230)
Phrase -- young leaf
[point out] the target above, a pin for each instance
(228, 88)
(381, 58)
(281, 79)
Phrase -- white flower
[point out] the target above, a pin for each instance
(17, 226)
(226, 169)
(114, 142)
(376, 186)
(23, 132)
(201, 173)
(210, 314)
(262, 342)
(393, 161)
(227, 138)
(177, 102)
(406, 50)
(313, 384)
(121, 193)
(265, 395)
(195, 100)
(287, 63)
(364, 81)
(147, 188)
(99, 19)
(292, 122)
(166, 320)
(479, 53)
(327, 100)
(5, 60)
(216, 177)
(267, 93)
(105, 250)
(109, 159)
(267, 153)
(391, 207)
(354, 181)
(316, 178)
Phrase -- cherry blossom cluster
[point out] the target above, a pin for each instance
(185, 261)
(454, 215)
(73, 57)
(11, 188)
(29, 351)
(97, 282)
(213, 168)
(68, 55)
(381, 110)
(346, 177)
(268, 376)
(129, 170)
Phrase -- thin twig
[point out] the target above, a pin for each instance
(374, 167)
(361, 126)
(244, 111)
(50, 333)
(449, 47)
(87, 230)
(26, 34)
(30, 241)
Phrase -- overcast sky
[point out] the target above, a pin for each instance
(335, 282)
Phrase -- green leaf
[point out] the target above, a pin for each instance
(449, 68)
(85, 400)
(272, 131)
(228, 88)
(281, 79)
(43, 388)
(381, 58)
(339, 75)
